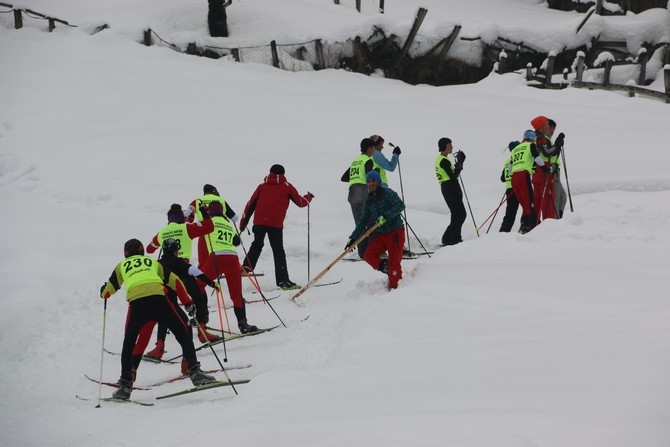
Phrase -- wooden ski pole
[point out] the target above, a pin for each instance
(342, 255)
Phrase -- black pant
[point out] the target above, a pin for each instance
(276, 238)
(153, 308)
(453, 195)
(510, 211)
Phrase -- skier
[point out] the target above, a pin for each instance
(512, 202)
(355, 176)
(270, 202)
(523, 160)
(447, 174)
(543, 179)
(382, 164)
(211, 194)
(222, 260)
(383, 206)
(184, 233)
(145, 279)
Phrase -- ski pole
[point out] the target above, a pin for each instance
(504, 197)
(417, 238)
(308, 247)
(402, 195)
(209, 343)
(219, 300)
(102, 351)
(567, 182)
(495, 210)
(254, 281)
(468, 202)
(367, 233)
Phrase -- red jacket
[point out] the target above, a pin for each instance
(270, 202)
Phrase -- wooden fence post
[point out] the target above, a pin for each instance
(550, 69)
(275, 54)
(599, 7)
(18, 19)
(529, 71)
(236, 54)
(52, 24)
(358, 5)
(502, 62)
(666, 78)
(580, 66)
(147, 37)
(608, 70)
(381, 6)
(450, 41)
(412, 34)
(337, 2)
(643, 58)
(318, 49)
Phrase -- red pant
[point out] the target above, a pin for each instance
(393, 243)
(543, 187)
(228, 265)
(523, 190)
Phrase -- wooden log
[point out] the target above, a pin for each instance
(643, 58)
(580, 66)
(147, 37)
(421, 14)
(599, 7)
(550, 69)
(361, 54)
(608, 71)
(450, 41)
(502, 62)
(18, 19)
(318, 49)
(275, 54)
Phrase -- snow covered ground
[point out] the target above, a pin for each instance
(555, 338)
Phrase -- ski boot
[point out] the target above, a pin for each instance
(158, 351)
(198, 377)
(205, 336)
(124, 390)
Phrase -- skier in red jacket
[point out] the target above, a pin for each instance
(270, 202)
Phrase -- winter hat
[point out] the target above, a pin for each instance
(442, 143)
(366, 143)
(209, 189)
(373, 175)
(539, 122)
(215, 209)
(133, 247)
(512, 144)
(175, 214)
(377, 139)
(529, 135)
(277, 169)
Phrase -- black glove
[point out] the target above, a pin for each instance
(102, 288)
(553, 168)
(458, 166)
(204, 210)
(236, 240)
(346, 247)
(310, 194)
(396, 150)
(190, 309)
(545, 169)
(460, 157)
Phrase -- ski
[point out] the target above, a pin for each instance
(208, 386)
(331, 283)
(268, 298)
(121, 401)
(232, 337)
(244, 274)
(185, 376)
(114, 384)
(416, 255)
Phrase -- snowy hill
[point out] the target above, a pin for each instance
(554, 338)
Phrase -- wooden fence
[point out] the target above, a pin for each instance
(20, 12)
